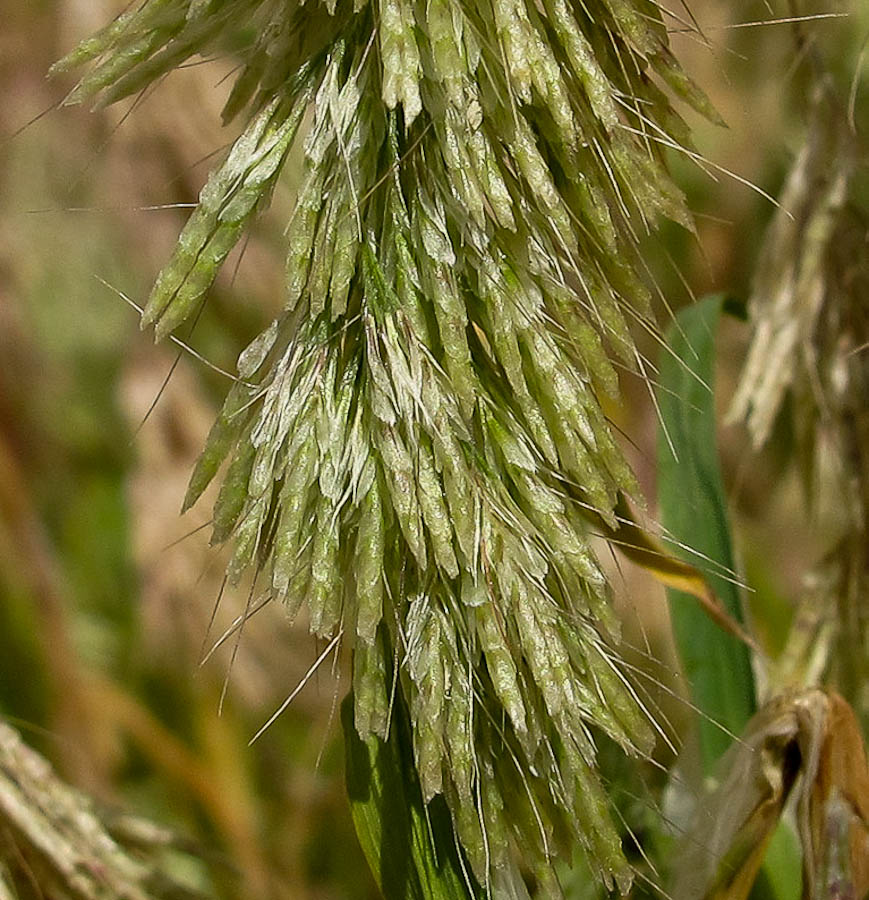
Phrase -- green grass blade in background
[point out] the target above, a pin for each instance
(411, 849)
(693, 511)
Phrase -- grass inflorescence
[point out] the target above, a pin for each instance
(413, 447)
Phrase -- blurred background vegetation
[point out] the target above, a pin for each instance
(106, 594)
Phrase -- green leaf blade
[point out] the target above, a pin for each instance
(410, 846)
(693, 511)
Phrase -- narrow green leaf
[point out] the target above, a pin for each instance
(410, 846)
(694, 511)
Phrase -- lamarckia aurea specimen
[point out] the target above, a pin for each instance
(414, 443)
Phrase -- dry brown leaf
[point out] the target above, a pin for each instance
(805, 744)
(834, 804)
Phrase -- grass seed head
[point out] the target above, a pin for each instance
(418, 432)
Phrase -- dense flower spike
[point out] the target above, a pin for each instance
(415, 446)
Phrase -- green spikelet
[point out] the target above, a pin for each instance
(415, 443)
(370, 577)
